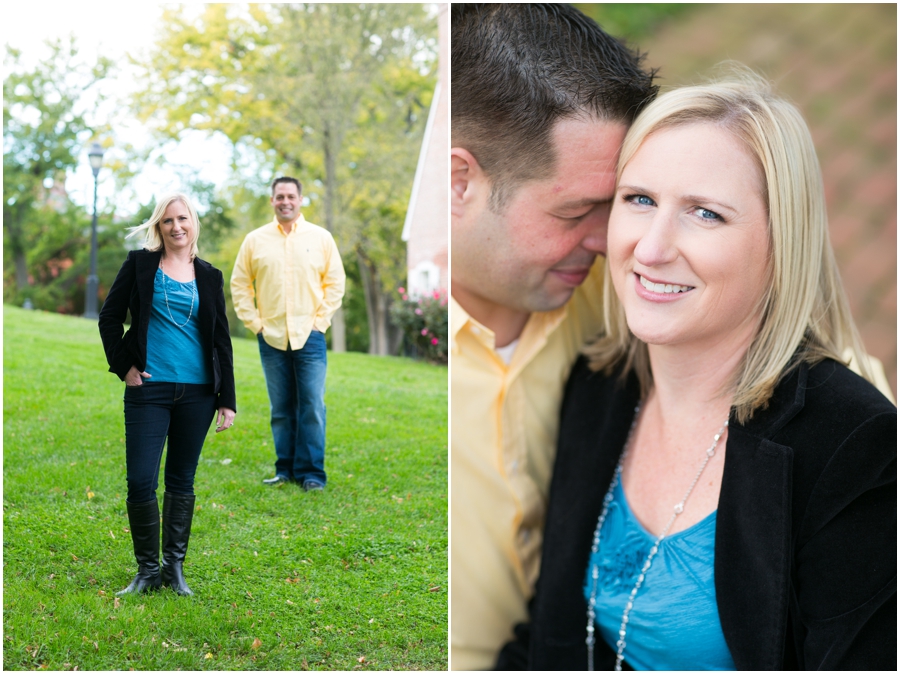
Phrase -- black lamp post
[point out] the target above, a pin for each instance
(90, 298)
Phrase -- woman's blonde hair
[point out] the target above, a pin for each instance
(804, 311)
(152, 238)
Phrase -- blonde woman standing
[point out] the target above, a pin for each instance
(176, 362)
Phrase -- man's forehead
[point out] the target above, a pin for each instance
(586, 155)
(588, 141)
(286, 189)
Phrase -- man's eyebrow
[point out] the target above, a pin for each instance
(581, 203)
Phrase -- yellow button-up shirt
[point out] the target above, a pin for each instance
(504, 424)
(299, 282)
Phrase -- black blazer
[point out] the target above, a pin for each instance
(133, 289)
(806, 530)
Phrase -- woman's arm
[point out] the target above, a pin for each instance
(112, 319)
(513, 656)
(845, 591)
(222, 345)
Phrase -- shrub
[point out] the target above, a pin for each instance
(424, 323)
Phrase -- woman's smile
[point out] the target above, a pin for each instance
(661, 287)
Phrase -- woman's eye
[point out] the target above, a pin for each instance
(640, 200)
(707, 214)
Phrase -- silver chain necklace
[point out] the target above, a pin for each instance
(595, 546)
(166, 294)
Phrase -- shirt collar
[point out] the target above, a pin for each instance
(299, 221)
(538, 328)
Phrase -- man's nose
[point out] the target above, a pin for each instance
(597, 224)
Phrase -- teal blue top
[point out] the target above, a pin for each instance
(674, 624)
(175, 354)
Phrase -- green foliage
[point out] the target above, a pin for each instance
(58, 259)
(354, 305)
(344, 83)
(424, 323)
(632, 22)
(354, 577)
(44, 129)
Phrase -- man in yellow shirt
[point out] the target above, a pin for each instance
(299, 283)
(542, 101)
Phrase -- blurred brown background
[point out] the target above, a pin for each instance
(838, 64)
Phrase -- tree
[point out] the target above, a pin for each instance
(44, 129)
(313, 88)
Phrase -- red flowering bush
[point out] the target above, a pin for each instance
(424, 322)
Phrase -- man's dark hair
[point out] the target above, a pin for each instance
(287, 179)
(518, 69)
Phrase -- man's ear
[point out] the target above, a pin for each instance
(467, 181)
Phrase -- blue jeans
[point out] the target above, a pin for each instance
(155, 411)
(296, 384)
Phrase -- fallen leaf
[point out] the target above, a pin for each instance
(208, 656)
(289, 602)
(362, 659)
(436, 588)
(90, 494)
(111, 534)
(256, 644)
(116, 603)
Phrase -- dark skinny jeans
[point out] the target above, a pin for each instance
(155, 412)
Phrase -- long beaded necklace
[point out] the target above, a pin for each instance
(166, 294)
(595, 546)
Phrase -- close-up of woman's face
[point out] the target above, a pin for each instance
(176, 227)
(688, 237)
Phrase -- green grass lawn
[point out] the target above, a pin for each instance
(354, 577)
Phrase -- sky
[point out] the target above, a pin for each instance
(113, 29)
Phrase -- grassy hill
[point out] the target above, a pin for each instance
(351, 578)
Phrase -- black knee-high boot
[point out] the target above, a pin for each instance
(178, 511)
(143, 520)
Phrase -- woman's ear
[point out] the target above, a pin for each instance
(467, 181)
